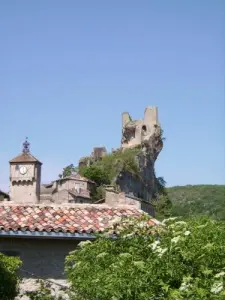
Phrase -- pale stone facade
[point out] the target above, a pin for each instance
(25, 177)
(116, 199)
(71, 189)
(25, 183)
(135, 131)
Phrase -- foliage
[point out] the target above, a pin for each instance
(96, 174)
(176, 260)
(194, 200)
(99, 193)
(104, 171)
(9, 279)
(163, 206)
(160, 186)
(160, 199)
(67, 171)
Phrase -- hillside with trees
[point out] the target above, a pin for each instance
(192, 200)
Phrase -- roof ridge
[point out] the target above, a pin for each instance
(24, 157)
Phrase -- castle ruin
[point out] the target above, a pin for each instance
(135, 132)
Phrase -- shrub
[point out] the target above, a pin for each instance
(175, 260)
(9, 279)
(105, 170)
(96, 174)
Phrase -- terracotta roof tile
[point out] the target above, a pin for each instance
(78, 218)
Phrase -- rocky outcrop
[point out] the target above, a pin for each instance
(145, 135)
(143, 185)
(143, 138)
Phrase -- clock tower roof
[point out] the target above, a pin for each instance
(25, 156)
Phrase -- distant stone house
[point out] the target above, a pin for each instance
(70, 189)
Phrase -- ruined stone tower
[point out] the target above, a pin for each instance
(134, 132)
(147, 135)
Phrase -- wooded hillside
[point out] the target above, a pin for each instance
(198, 200)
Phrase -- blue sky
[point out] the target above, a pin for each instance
(70, 68)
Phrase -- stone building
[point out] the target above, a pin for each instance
(135, 132)
(115, 199)
(25, 183)
(71, 189)
(41, 224)
(43, 235)
(146, 136)
(25, 177)
(97, 154)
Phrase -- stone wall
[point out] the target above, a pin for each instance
(68, 184)
(24, 192)
(25, 188)
(113, 198)
(134, 131)
(42, 259)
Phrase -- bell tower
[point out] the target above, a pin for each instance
(25, 177)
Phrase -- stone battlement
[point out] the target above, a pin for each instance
(134, 132)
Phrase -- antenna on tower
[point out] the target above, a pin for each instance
(26, 146)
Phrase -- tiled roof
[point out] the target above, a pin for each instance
(77, 218)
(24, 157)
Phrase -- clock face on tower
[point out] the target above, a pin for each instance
(23, 170)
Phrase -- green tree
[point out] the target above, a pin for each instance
(67, 171)
(9, 279)
(161, 199)
(96, 174)
(176, 260)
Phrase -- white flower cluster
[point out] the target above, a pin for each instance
(221, 274)
(157, 249)
(217, 287)
(168, 220)
(185, 285)
(175, 239)
(187, 232)
(84, 243)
